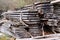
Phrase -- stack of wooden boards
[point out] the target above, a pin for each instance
(29, 15)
